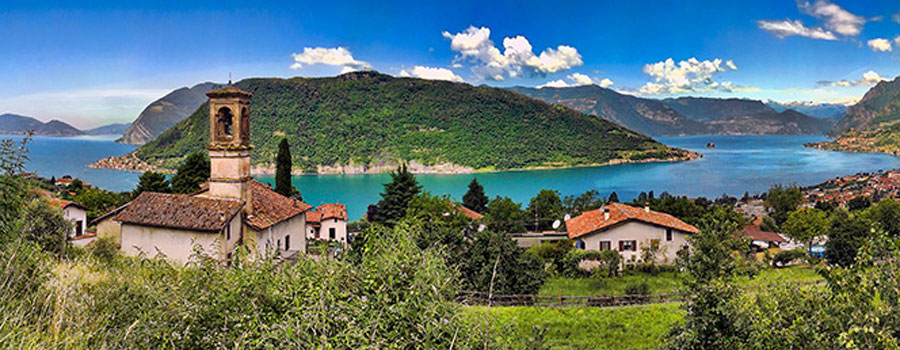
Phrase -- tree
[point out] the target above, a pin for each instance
(191, 173)
(76, 185)
(545, 208)
(151, 182)
(613, 197)
(588, 200)
(45, 225)
(13, 156)
(846, 234)
(859, 203)
(505, 215)
(283, 167)
(494, 263)
(805, 225)
(474, 198)
(395, 199)
(782, 201)
(886, 214)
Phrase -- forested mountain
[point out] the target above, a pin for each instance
(109, 129)
(881, 104)
(651, 117)
(18, 124)
(680, 116)
(165, 112)
(369, 120)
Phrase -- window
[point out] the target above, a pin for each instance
(331, 232)
(78, 227)
(579, 244)
(627, 245)
(228, 232)
(668, 235)
(224, 121)
(287, 242)
(605, 245)
(279, 244)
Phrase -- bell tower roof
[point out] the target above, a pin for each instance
(228, 91)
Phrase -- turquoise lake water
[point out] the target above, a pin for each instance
(737, 164)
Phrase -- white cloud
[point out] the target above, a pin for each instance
(868, 79)
(518, 57)
(897, 40)
(879, 45)
(337, 56)
(431, 73)
(577, 79)
(896, 17)
(786, 28)
(835, 17)
(691, 75)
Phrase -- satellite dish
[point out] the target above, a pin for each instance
(556, 224)
(567, 217)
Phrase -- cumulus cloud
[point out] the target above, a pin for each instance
(691, 75)
(577, 79)
(517, 58)
(338, 56)
(868, 79)
(879, 45)
(834, 18)
(431, 73)
(786, 28)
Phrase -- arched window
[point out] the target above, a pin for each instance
(225, 122)
(245, 125)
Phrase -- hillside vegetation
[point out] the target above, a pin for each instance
(369, 119)
(871, 125)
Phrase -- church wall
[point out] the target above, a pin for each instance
(272, 240)
(109, 228)
(177, 245)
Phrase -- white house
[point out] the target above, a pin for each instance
(627, 229)
(327, 222)
(233, 210)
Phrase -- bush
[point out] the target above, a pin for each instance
(552, 254)
(610, 261)
(637, 288)
(784, 257)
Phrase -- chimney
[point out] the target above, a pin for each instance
(647, 207)
(605, 213)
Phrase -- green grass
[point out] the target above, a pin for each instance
(628, 327)
(661, 283)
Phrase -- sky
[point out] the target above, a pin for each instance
(104, 61)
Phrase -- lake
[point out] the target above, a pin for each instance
(737, 164)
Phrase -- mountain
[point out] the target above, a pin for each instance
(818, 110)
(109, 129)
(680, 116)
(365, 122)
(879, 105)
(651, 117)
(18, 124)
(165, 112)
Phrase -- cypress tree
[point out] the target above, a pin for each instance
(151, 182)
(191, 173)
(613, 198)
(475, 199)
(283, 166)
(397, 194)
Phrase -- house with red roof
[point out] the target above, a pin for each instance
(761, 239)
(327, 222)
(628, 229)
(233, 210)
(74, 213)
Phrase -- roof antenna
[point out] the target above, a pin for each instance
(229, 78)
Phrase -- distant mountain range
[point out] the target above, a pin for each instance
(819, 110)
(367, 122)
(680, 116)
(166, 112)
(19, 124)
(872, 124)
(109, 129)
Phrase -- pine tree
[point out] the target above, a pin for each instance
(283, 166)
(191, 173)
(613, 198)
(397, 194)
(151, 182)
(475, 199)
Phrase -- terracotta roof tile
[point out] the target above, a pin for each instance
(313, 216)
(593, 221)
(270, 208)
(757, 234)
(474, 215)
(180, 211)
(63, 204)
(333, 211)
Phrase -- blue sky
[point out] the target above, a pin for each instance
(103, 62)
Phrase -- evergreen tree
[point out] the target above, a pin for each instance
(151, 182)
(191, 173)
(283, 166)
(545, 208)
(506, 216)
(395, 199)
(613, 198)
(783, 201)
(475, 199)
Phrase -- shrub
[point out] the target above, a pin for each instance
(784, 257)
(637, 288)
(610, 261)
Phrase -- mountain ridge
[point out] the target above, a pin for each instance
(19, 124)
(165, 112)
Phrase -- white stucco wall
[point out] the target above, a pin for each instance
(643, 234)
(177, 245)
(74, 214)
(340, 230)
(271, 240)
(111, 229)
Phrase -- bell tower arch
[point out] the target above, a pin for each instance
(229, 144)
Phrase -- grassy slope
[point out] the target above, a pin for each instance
(662, 283)
(367, 118)
(629, 327)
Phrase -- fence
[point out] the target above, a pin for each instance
(481, 298)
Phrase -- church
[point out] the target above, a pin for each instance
(231, 211)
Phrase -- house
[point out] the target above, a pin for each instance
(328, 222)
(762, 239)
(73, 212)
(108, 228)
(628, 229)
(232, 211)
(474, 215)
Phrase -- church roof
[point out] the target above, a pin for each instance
(270, 208)
(180, 211)
(229, 91)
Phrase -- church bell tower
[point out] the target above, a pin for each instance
(229, 144)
